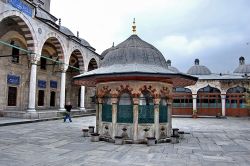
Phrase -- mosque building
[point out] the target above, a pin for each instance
(39, 57)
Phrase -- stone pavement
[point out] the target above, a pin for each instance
(210, 142)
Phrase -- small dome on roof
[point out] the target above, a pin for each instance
(66, 31)
(198, 69)
(242, 68)
(107, 50)
(84, 42)
(174, 69)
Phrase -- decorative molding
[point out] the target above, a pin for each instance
(103, 91)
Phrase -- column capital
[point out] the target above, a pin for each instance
(223, 96)
(34, 59)
(157, 101)
(114, 100)
(63, 68)
(136, 101)
(194, 96)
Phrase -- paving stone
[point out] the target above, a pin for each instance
(210, 142)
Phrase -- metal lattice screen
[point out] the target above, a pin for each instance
(163, 118)
(106, 112)
(125, 114)
(146, 114)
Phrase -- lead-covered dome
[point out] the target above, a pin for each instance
(174, 69)
(134, 51)
(66, 31)
(242, 68)
(198, 69)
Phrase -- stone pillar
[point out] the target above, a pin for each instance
(32, 90)
(82, 104)
(62, 90)
(135, 121)
(194, 101)
(169, 105)
(98, 114)
(223, 104)
(114, 116)
(156, 118)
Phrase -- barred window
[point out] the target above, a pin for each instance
(12, 96)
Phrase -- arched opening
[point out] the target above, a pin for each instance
(182, 101)
(235, 102)
(125, 109)
(48, 72)
(90, 91)
(92, 64)
(14, 62)
(163, 111)
(74, 92)
(209, 101)
(107, 109)
(146, 108)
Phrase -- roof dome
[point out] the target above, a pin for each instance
(134, 51)
(66, 31)
(84, 42)
(242, 68)
(174, 69)
(198, 69)
(107, 50)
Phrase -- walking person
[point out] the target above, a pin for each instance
(68, 108)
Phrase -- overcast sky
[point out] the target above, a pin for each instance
(215, 31)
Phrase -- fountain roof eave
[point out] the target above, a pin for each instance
(133, 72)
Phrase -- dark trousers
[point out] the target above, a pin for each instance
(67, 116)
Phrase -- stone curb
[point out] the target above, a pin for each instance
(41, 120)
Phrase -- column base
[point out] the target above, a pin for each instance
(31, 110)
(83, 109)
(62, 109)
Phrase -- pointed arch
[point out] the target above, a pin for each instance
(25, 26)
(56, 40)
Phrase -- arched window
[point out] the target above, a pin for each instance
(209, 97)
(52, 99)
(163, 117)
(41, 98)
(235, 97)
(12, 96)
(15, 53)
(107, 109)
(125, 109)
(146, 108)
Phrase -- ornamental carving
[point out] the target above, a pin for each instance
(165, 91)
(103, 91)
(148, 88)
(122, 89)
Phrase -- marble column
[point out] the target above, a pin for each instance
(32, 90)
(114, 116)
(62, 90)
(194, 101)
(135, 121)
(82, 104)
(169, 105)
(223, 104)
(98, 114)
(156, 120)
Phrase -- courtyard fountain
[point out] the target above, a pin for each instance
(134, 92)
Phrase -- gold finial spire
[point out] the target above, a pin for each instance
(134, 27)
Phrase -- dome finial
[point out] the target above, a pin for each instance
(196, 61)
(134, 27)
(113, 45)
